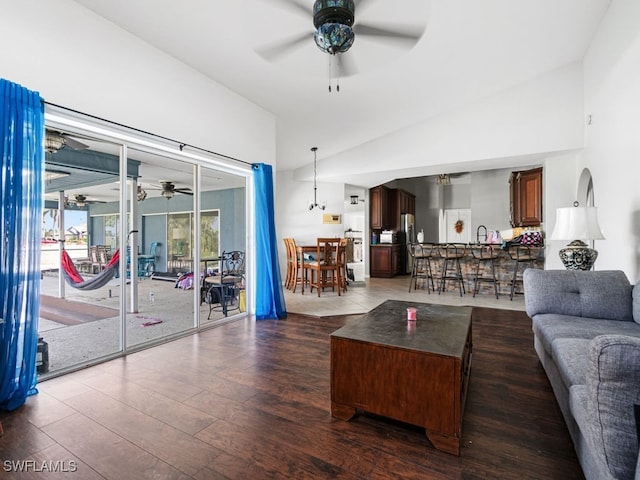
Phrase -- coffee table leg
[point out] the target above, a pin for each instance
(445, 443)
(343, 412)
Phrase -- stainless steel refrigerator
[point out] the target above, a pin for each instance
(407, 236)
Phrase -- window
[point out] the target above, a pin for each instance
(180, 238)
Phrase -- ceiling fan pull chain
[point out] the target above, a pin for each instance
(330, 67)
(329, 64)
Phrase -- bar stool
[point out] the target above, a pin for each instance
(451, 253)
(521, 254)
(483, 255)
(421, 265)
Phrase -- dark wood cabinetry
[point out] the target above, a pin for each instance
(379, 208)
(386, 205)
(385, 260)
(402, 202)
(525, 188)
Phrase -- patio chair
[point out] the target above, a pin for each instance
(222, 291)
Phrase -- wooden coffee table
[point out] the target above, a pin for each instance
(413, 372)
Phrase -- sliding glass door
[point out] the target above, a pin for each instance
(169, 218)
(79, 305)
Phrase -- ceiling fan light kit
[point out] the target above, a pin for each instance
(81, 200)
(53, 142)
(169, 189)
(333, 38)
(333, 20)
(167, 194)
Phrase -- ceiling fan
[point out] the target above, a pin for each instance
(169, 189)
(79, 200)
(55, 140)
(335, 30)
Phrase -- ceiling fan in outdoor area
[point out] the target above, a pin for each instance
(335, 30)
(55, 140)
(79, 200)
(169, 189)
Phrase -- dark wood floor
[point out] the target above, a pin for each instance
(251, 401)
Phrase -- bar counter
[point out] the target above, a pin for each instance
(504, 263)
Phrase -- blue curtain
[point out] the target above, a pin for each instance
(269, 295)
(22, 150)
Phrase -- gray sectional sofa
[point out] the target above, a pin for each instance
(586, 329)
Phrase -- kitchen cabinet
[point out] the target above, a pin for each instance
(407, 202)
(379, 208)
(386, 205)
(385, 260)
(525, 190)
(401, 202)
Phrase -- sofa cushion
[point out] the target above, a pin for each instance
(570, 355)
(548, 327)
(602, 294)
(613, 388)
(578, 405)
(636, 302)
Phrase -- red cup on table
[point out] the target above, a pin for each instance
(411, 314)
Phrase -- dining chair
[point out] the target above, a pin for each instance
(342, 263)
(291, 258)
(324, 268)
(297, 267)
(295, 271)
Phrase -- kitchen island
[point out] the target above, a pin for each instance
(385, 263)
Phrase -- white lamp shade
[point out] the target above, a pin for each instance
(577, 223)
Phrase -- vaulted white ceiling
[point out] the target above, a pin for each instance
(470, 49)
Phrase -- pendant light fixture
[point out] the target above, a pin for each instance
(315, 186)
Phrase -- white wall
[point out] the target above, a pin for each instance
(294, 219)
(78, 60)
(541, 116)
(560, 180)
(544, 114)
(490, 200)
(612, 141)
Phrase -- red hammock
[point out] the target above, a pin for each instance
(75, 279)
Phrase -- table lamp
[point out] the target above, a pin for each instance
(577, 223)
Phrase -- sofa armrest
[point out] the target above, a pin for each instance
(613, 391)
(602, 294)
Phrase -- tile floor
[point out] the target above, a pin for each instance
(361, 299)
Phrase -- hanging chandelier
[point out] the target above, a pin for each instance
(315, 186)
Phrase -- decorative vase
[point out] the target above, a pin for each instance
(578, 256)
(421, 236)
